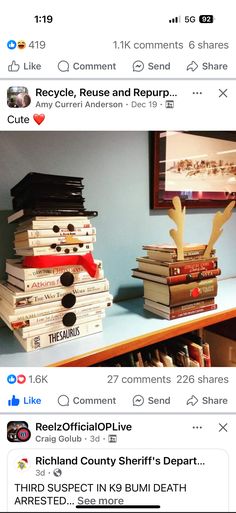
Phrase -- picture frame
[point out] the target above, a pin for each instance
(199, 167)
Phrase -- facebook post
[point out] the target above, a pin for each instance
(117, 222)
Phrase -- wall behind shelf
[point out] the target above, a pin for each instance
(115, 167)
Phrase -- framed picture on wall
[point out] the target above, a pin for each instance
(200, 167)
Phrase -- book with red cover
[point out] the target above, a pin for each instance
(174, 280)
(180, 294)
(176, 268)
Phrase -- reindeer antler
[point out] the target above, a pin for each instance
(219, 219)
(177, 214)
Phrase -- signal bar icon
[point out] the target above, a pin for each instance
(177, 19)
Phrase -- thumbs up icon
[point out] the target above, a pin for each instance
(13, 66)
(14, 401)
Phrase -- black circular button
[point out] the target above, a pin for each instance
(75, 249)
(69, 319)
(53, 246)
(71, 227)
(68, 300)
(67, 279)
(67, 250)
(56, 228)
(81, 245)
(58, 248)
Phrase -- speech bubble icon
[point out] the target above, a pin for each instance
(63, 400)
(138, 66)
(138, 400)
(63, 66)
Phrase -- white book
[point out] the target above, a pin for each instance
(32, 331)
(148, 276)
(48, 241)
(53, 318)
(75, 249)
(62, 224)
(50, 282)
(52, 338)
(15, 268)
(21, 299)
(155, 311)
(41, 234)
(21, 213)
(17, 315)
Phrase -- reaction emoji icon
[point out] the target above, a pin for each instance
(21, 45)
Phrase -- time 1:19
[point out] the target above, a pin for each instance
(45, 18)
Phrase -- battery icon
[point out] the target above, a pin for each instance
(206, 18)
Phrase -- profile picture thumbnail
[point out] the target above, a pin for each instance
(18, 431)
(18, 97)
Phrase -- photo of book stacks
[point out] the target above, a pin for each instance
(187, 350)
(177, 288)
(55, 291)
(181, 280)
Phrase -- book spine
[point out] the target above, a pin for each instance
(42, 242)
(186, 278)
(185, 313)
(57, 326)
(54, 317)
(193, 363)
(52, 282)
(55, 337)
(207, 360)
(192, 306)
(196, 352)
(206, 354)
(191, 267)
(195, 291)
(43, 224)
(23, 314)
(47, 250)
(30, 274)
(166, 360)
(57, 294)
(172, 257)
(35, 234)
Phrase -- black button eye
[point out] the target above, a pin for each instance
(75, 249)
(81, 245)
(67, 279)
(69, 319)
(53, 246)
(58, 248)
(56, 228)
(67, 250)
(68, 300)
(71, 227)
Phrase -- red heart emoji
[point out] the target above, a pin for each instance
(39, 118)
(21, 379)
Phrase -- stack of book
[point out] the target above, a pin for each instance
(176, 288)
(184, 351)
(56, 291)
